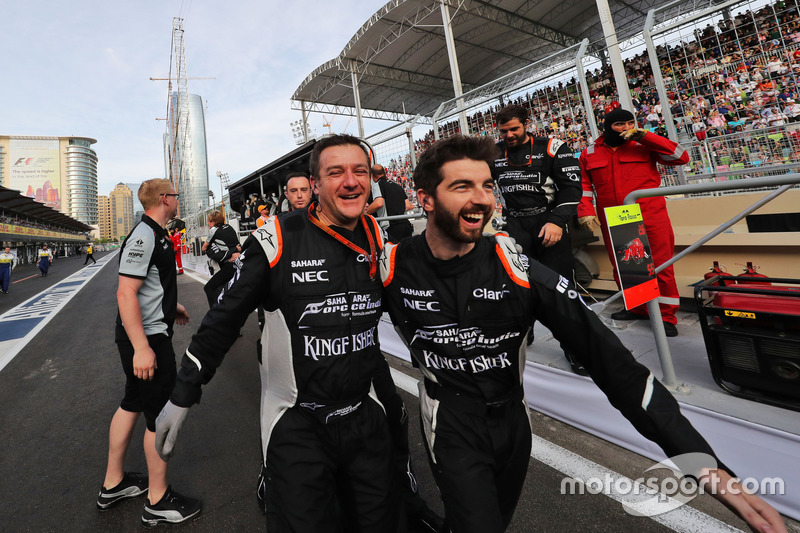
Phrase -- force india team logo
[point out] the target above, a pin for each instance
(333, 304)
(461, 337)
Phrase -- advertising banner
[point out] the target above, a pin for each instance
(14, 229)
(35, 170)
(632, 255)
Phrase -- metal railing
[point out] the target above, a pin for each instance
(784, 182)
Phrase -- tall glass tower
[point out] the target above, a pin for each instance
(185, 156)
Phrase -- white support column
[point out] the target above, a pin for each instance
(658, 78)
(623, 91)
(305, 120)
(454, 71)
(588, 110)
(357, 98)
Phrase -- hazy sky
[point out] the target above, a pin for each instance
(84, 68)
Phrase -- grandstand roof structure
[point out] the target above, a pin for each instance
(13, 201)
(400, 56)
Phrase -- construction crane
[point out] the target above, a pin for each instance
(326, 123)
(178, 129)
(169, 89)
(189, 78)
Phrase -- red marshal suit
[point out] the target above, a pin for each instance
(610, 175)
(176, 245)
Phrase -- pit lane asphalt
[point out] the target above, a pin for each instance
(59, 393)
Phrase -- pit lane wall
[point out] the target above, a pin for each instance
(775, 253)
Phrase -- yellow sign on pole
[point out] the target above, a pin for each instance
(632, 255)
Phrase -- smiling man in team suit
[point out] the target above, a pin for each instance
(324, 434)
(463, 302)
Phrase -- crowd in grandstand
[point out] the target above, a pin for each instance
(738, 77)
(23, 221)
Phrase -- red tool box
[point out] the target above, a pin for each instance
(752, 335)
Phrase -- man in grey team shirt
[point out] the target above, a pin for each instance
(147, 298)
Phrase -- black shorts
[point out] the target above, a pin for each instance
(148, 397)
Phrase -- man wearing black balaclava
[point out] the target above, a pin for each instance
(622, 160)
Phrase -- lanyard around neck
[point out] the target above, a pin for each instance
(527, 163)
(372, 254)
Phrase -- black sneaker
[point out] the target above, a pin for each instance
(670, 329)
(133, 484)
(173, 508)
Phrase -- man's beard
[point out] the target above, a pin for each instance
(450, 224)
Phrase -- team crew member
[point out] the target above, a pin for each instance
(263, 212)
(175, 237)
(462, 303)
(89, 255)
(298, 196)
(540, 184)
(622, 160)
(45, 258)
(298, 191)
(147, 298)
(387, 199)
(222, 249)
(315, 271)
(6, 264)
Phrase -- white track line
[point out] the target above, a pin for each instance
(84, 275)
(683, 519)
(195, 276)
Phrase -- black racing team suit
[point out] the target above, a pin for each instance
(395, 203)
(223, 245)
(324, 435)
(464, 321)
(540, 182)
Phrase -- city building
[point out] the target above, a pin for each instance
(60, 172)
(104, 216)
(185, 156)
(121, 200)
(138, 208)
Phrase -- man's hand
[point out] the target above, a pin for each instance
(233, 258)
(588, 222)
(758, 514)
(634, 134)
(182, 315)
(550, 234)
(168, 424)
(144, 363)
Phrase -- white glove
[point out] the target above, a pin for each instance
(634, 134)
(588, 222)
(168, 424)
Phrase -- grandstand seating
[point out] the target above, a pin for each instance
(732, 92)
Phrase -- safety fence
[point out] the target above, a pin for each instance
(723, 85)
(394, 148)
(549, 88)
